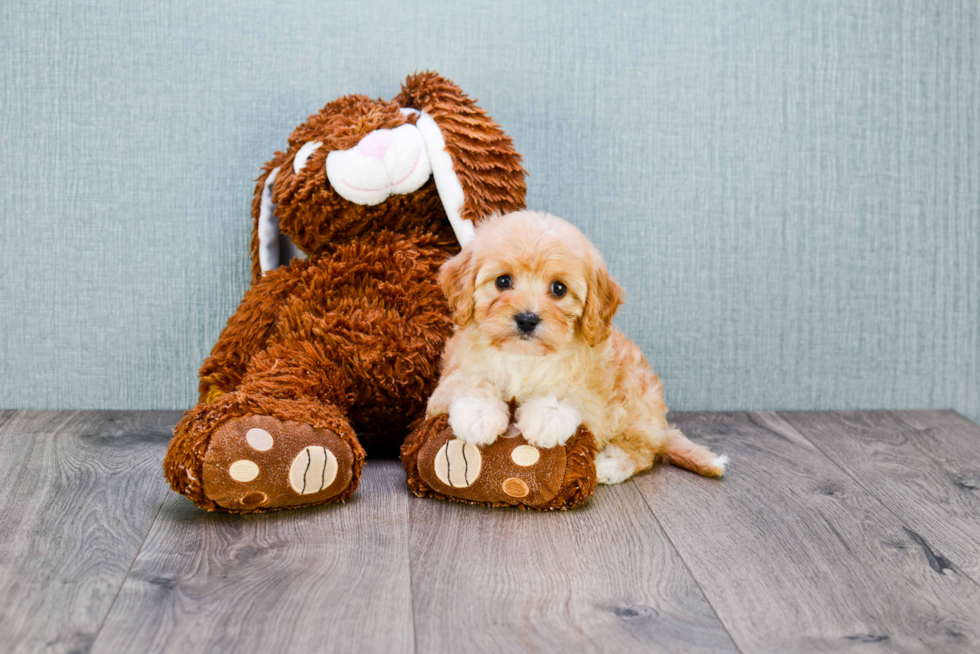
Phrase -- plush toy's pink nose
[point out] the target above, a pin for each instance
(375, 144)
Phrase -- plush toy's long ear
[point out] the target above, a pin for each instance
(269, 249)
(482, 165)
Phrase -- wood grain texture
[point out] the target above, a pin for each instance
(924, 465)
(602, 578)
(795, 556)
(80, 492)
(845, 531)
(332, 578)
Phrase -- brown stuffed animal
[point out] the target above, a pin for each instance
(337, 354)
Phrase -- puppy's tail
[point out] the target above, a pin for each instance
(683, 453)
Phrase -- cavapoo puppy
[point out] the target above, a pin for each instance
(533, 303)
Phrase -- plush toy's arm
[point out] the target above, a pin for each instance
(245, 334)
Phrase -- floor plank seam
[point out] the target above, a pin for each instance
(687, 567)
(411, 569)
(132, 563)
(927, 551)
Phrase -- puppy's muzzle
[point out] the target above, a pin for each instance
(526, 322)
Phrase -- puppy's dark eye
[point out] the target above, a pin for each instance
(503, 282)
(558, 289)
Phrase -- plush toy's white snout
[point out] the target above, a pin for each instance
(386, 162)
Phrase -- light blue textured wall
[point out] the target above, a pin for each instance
(789, 191)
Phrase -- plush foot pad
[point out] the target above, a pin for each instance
(508, 472)
(260, 463)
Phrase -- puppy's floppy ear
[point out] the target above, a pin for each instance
(601, 303)
(457, 278)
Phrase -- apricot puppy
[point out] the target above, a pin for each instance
(533, 305)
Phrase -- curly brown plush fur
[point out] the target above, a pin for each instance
(348, 340)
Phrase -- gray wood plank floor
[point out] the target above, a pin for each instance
(794, 555)
(80, 492)
(309, 580)
(842, 531)
(604, 578)
(934, 471)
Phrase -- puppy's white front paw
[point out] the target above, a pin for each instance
(613, 465)
(477, 420)
(546, 422)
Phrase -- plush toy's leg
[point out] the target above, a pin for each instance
(271, 444)
(316, 350)
(508, 472)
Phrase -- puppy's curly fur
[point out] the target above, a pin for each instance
(533, 302)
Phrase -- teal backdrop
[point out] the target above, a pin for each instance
(789, 191)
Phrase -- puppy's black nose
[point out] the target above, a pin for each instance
(527, 321)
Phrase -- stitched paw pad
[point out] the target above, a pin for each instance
(508, 471)
(259, 462)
